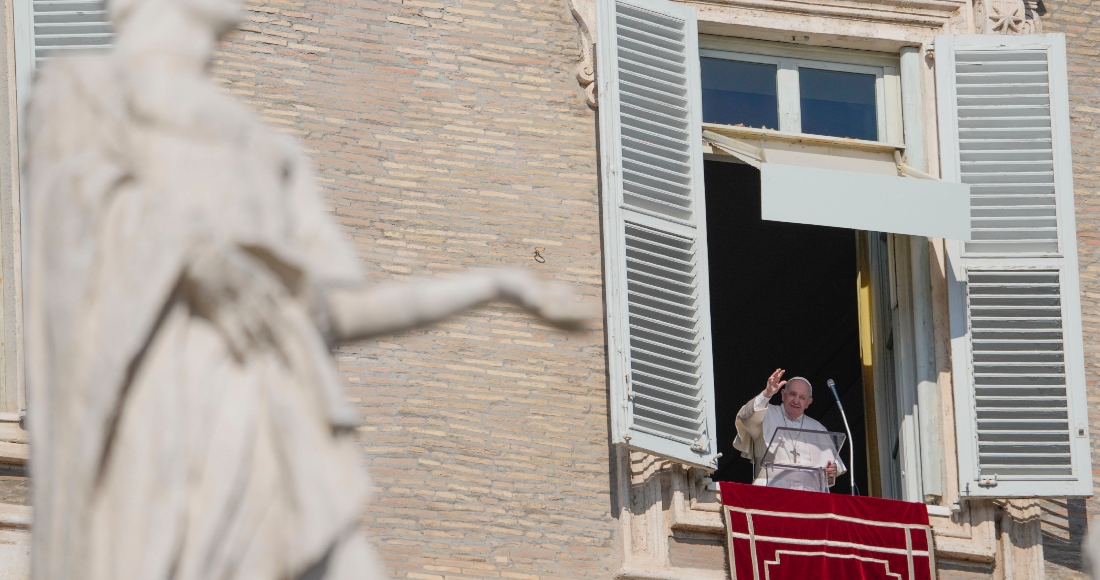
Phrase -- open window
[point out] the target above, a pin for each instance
(1017, 351)
(1005, 206)
(654, 95)
(850, 177)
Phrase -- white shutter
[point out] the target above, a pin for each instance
(47, 29)
(654, 228)
(1018, 361)
(63, 27)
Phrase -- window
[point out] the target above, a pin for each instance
(838, 103)
(759, 86)
(736, 92)
(657, 99)
(1020, 406)
(70, 27)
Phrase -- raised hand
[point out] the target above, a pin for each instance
(774, 383)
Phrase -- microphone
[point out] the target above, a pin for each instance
(851, 452)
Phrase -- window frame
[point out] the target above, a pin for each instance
(789, 58)
(896, 280)
(23, 20)
(788, 89)
(14, 448)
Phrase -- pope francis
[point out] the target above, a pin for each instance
(757, 422)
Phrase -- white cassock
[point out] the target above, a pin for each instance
(756, 424)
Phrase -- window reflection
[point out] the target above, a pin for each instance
(837, 104)
(739, 93)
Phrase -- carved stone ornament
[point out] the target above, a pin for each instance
(584, 12)
(1008, 16)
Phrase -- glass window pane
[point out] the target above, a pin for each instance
(838, 104)
(739, 93)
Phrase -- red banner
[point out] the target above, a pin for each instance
(776, 534)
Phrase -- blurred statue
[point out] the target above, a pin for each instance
(1090, 548)
(185, 285)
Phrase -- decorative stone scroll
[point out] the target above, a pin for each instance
(584, 12)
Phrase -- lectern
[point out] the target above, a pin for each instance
(796, 458)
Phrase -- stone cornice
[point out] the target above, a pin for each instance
(921, 13)
(873, 25)
(895, 22)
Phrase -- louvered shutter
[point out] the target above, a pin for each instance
(1015, 307)
(654, 228)
(64, 27)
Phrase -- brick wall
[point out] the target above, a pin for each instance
(451, 134)
(700, 551)
(1079, 20)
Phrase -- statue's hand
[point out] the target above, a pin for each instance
(553, 302)
(237, 293)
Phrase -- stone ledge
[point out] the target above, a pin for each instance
(15, 516)
(14, 453)
(636, 573)
(14, 446)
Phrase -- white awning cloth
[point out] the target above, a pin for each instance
(846, 183)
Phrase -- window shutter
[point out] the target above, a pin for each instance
(654, 228)
(63, 27)
(1015, 307)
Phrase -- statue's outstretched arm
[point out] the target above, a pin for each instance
(391, 307)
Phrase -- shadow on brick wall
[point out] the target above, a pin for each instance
(1064, 526)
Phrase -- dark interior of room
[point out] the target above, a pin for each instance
(782, 295)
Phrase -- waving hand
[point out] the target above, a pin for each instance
(774, 383)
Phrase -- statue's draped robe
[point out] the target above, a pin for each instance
(156, 452)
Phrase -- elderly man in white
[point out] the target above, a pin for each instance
(757, 422)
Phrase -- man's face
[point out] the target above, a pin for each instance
(796, 397)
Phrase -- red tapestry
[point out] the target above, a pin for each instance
(776, 534)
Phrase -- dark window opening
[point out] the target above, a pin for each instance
(782, 295)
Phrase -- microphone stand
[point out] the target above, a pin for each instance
(851, 452)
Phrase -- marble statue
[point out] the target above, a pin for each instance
(1090, 548)
(185, 284)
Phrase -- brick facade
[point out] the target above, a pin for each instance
(447, 135)
(1079, 20)
(699, 551)
(451, 134)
